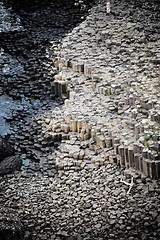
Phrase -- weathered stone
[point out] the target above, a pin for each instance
(121, 153)
(131, 157)
(112, 159)
(73, 125)
(10, 164)
(108, 142)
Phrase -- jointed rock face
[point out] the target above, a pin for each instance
(109, 65)
(93, 161)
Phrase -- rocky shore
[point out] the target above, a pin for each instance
(91, 159)
(27, 35)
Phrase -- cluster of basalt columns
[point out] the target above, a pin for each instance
(135, 156)
(97, 135)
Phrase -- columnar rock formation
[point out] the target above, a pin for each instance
(109, 69)
(76, 181)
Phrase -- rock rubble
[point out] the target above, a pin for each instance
(88, 203)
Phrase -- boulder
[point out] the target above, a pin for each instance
(6, 149)
(10, 164)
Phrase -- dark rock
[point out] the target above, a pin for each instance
(6, 149)
(11, 227)
(9, 234)
(10, 164)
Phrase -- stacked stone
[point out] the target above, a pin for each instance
(126, 96)
(81, 123)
